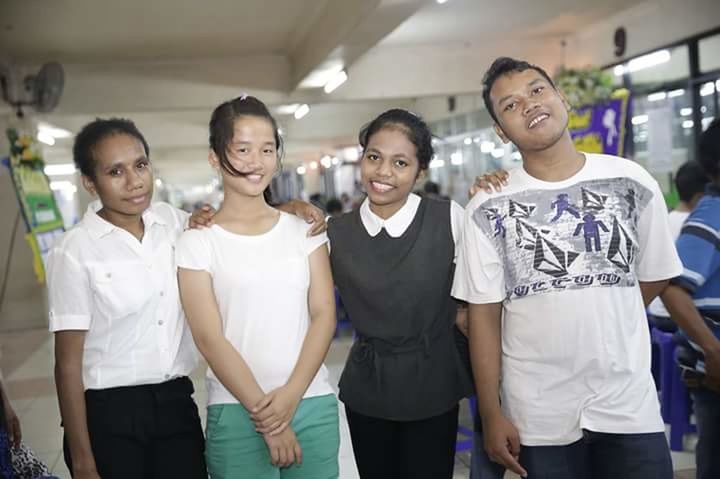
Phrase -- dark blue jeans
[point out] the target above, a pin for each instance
(707, 416)
(601, 456)
(481, 467)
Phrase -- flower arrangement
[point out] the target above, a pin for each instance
(585, 86)
(23, 148)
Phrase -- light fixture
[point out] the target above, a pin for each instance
(335, 81)
(313, 165)
(441, 1)
(45, 137)
(288, 109)
(661, 95)
(326, 161)
(301, 111)
(53, 131)
(60, 169)
(335, 160)
(707, 89)
(685, 111)
(646, 61)
(468, 141)
(688, 124)
(63, 185)
(498, 152)
(639, 119)
(674, 93)
(301, 170)
(487, 146)
(516, 155)
(457, 158)
(437, 163)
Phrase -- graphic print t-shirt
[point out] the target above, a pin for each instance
(567, 258)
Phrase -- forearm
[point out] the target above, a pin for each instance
(313, 352)
(484, 334)
(683, 312)
(651, 290)
(289, 207)
(71, 398)
(231, 369)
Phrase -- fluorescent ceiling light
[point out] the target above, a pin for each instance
(45, 137)
(301, 111)
(487, 146)
(60, 169)
(646, 61)
(288, 109)
(63, 186)
(707, 89)
(498, 152)
(441, 1)
(516, 155)
(301, 170)
(313, 165)
(688, 124)
(468, 141)
(639, 119)
(335, 160)
(685, 111)
(437, 163)
(457, 158)
(326, 161)
(335, 81)
(53, 131)
(674, 93)
(661, 95)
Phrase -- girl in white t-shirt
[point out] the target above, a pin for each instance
(258, 295)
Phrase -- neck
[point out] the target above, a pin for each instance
(131, 223)
(684, 206)
(241, 207)
(386, 211)
(555, 163)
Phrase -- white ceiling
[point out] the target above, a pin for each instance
(167, 63)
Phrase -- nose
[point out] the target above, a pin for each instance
(530, 106)
(383, 168)
(135, 180)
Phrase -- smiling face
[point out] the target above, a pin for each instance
(123, 177)
(253, 153)
(389, 170)
(530, 112)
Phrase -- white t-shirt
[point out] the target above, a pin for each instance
(565, 258)
(261, 287)
(124, 293)
(676, 219)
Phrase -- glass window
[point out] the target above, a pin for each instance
(709, 49)
(709, 92)
(656, 68)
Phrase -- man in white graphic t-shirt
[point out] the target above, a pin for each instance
(564, 386)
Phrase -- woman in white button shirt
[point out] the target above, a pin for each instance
(123, 352)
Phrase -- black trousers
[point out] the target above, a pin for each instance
(423, 449)
(145, 432)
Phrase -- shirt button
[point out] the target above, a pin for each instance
(161, 322)
(167, 376)
(162, 293)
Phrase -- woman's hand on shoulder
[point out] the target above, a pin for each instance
(202, 217)
(487, 182)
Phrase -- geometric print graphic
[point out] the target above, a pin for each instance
(581, 236)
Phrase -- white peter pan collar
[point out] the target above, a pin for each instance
(397, 224)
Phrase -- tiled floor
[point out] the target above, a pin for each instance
(27, 362)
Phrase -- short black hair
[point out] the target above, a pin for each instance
(500, 67)
(222, 127)
(96, 131)
(412, 125)
(690, 180)
(709, 150)
(333, 205)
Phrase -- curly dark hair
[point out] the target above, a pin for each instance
(412, 125)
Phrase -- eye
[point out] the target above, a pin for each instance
(115, 172)
(372, 157)
(268, 151)
(241, 150)
(510, 106)
(143, 164)
(401, 163)
(538, 90)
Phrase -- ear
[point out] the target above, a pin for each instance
(213, 160)
(88, 185)
(422, 174)
(501, 134)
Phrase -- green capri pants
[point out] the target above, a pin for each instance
(234, 450)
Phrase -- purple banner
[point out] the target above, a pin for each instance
(600, 128)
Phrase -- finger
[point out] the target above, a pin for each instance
(262, 404)
(207, 208)
(283, 457)
(271, 429)
(298, 453)
(507, 460)
(280, 428)
(275, 455)
(317, 228)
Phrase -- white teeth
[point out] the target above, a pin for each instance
(537, 120)
(253, 177)
(381, 187)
